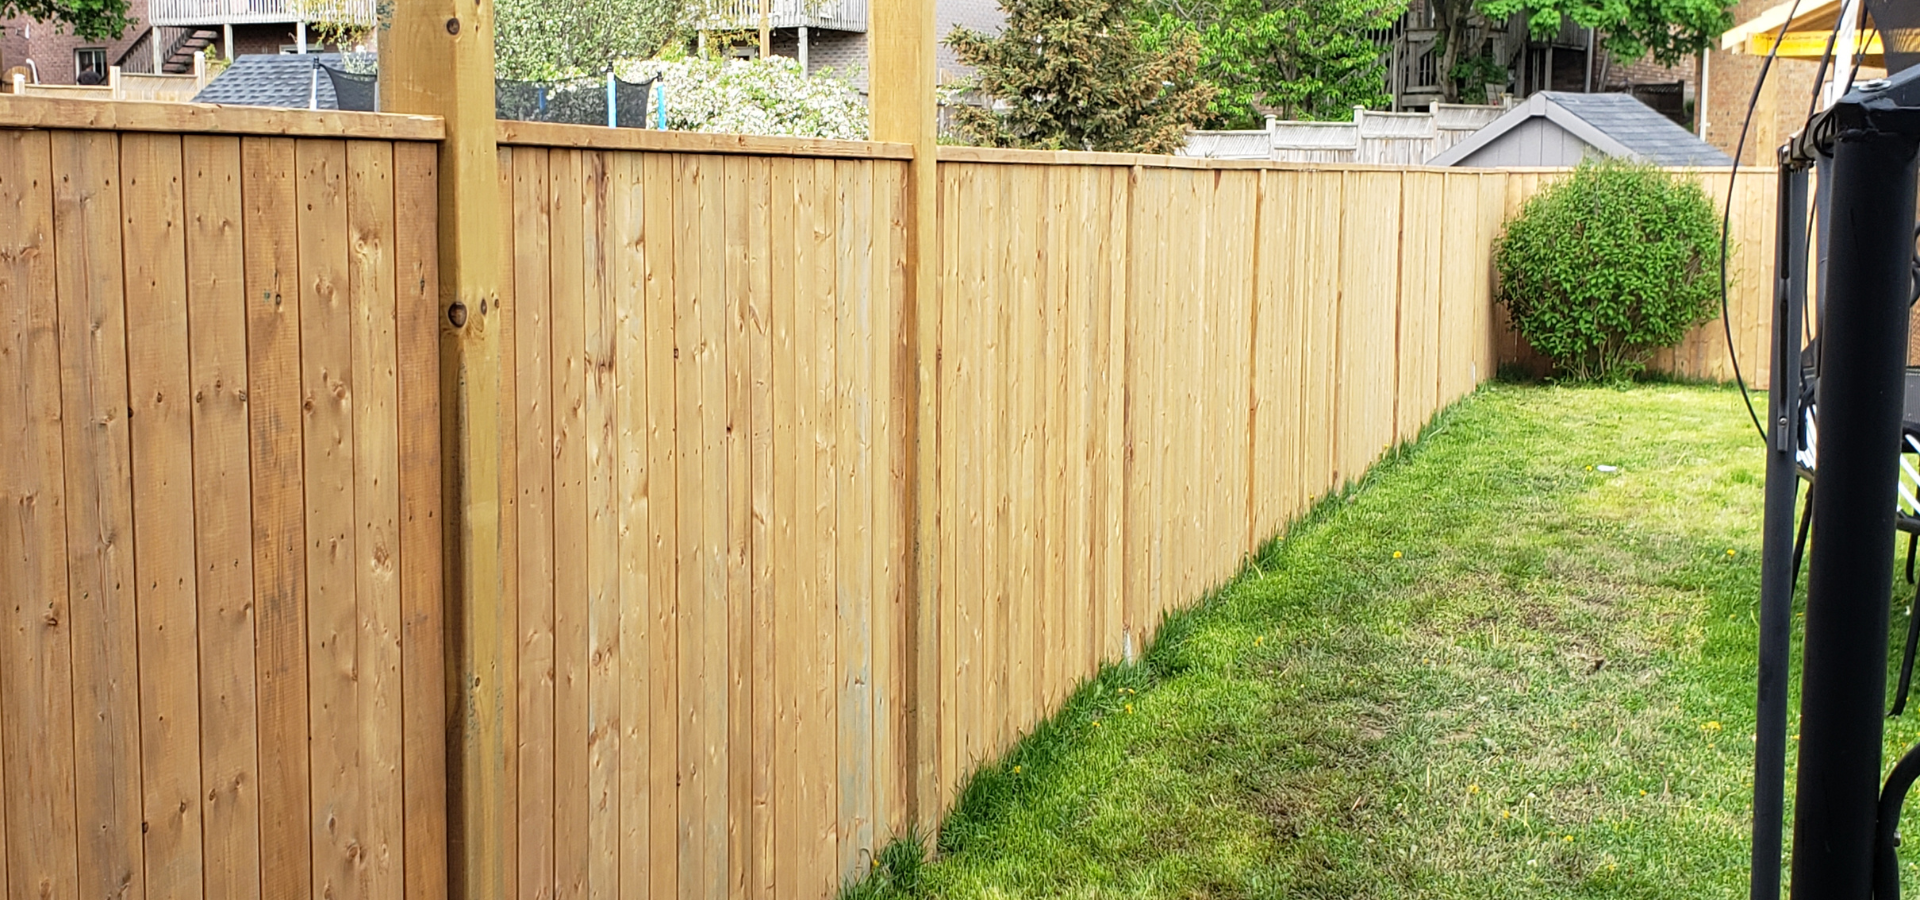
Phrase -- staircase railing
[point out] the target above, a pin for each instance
(138, 57)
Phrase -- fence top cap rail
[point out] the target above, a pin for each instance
(952, 154)
(199, 118)
(595, 137)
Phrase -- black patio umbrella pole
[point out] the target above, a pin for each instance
(1777, 536)
(1876, 141)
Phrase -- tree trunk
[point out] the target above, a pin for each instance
(1451, 20)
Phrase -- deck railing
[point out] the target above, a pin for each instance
(240, 12)
(837, 15)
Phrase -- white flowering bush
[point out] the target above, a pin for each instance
(752, 96)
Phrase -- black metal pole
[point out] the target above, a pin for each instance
(1862, 362)
(1777, 536)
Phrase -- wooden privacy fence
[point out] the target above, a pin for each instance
(224, 672)
(220, 667)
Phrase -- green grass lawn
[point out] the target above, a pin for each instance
(1493, 669)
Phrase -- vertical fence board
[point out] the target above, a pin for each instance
(602, 663)
(36, 664)
(628, 198)
(853, 512)
(217, 346)
(274, 399)
(339, 822)
(737, 424)
(532, 324)
(422, 637)
(376, 509)
(570, 529)
(760, 387)
(790, 713)
(153, 233)
(659, 192)
(99, 507)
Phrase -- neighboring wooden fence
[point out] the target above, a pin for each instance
(220, 659)
(221, 669)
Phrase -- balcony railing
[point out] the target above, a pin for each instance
(837, 15)
(241, 12)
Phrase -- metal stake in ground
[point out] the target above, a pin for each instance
(1863, 358)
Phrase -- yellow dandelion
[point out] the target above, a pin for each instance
(1506, 814)
(1096, 723)
(1569, 839)
(1396, 554)
(1730, 551)
(1712, 726)
(1257, 641)
(1473, 789)
(1016, 771)
(1129, 709)
(1643, 793)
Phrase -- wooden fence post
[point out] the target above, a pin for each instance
(902, 84)
(438, 60)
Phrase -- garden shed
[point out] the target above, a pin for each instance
(1555, 128)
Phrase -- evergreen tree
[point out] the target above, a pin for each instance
(1082, 75)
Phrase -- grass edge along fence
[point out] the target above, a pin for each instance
(222, 653)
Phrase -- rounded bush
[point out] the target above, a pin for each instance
(1602, 268)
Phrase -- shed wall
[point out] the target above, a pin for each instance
(1536, 142)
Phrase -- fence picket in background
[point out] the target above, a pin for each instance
(221, 409)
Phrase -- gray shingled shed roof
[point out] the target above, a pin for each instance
(285, 80)
(1611, 124)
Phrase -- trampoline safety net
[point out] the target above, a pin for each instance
(1899, 24)
(576, 103)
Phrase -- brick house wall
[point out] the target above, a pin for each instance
(51, 48)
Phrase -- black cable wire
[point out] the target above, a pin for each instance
(1726, 219)
(1833, 37)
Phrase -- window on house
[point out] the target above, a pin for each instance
(90, 65)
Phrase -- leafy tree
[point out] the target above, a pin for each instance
(1310, 59)
(549, 40)
(93, 20)
(1082, 75)
(1628, 29)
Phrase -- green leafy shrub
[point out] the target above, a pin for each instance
(1603, 268)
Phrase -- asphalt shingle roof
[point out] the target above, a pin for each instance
(274, 79)
(1640, 128)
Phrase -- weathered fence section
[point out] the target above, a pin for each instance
(223, 670)
(704, 514)
(220, 666)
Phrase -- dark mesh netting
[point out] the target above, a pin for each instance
(353, 90)
(574, 103)
(632, 102)
(1899, 24)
